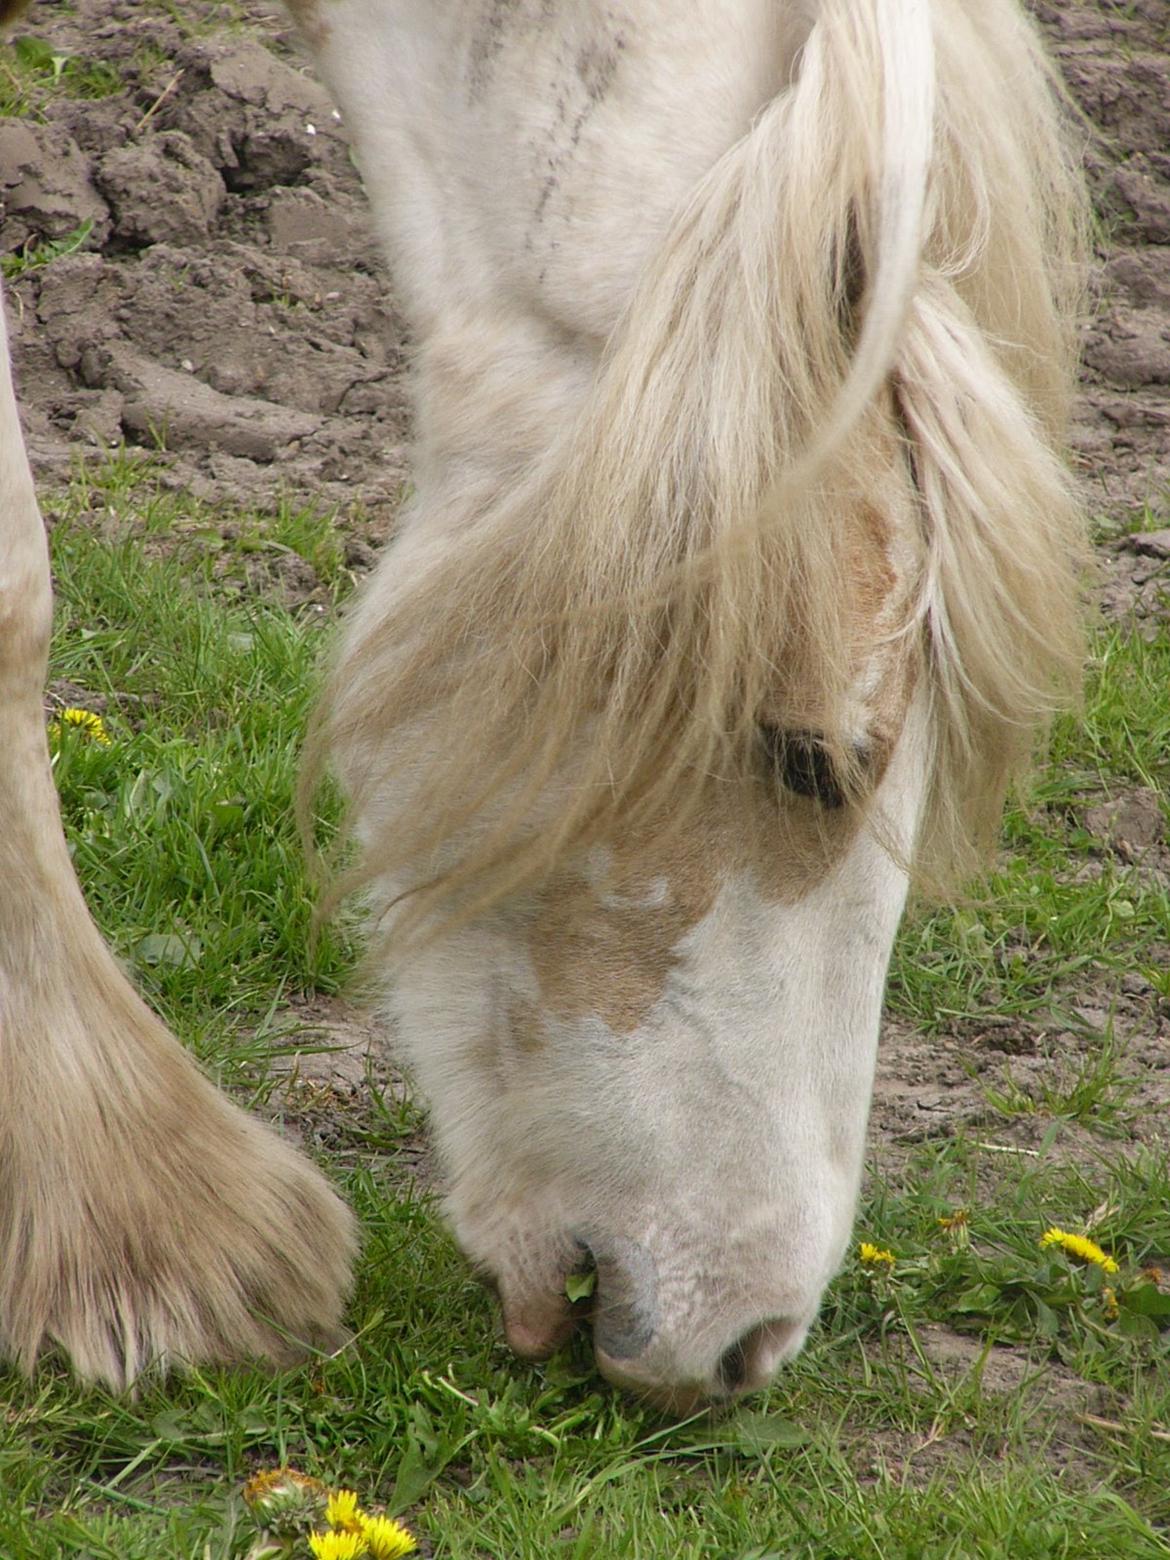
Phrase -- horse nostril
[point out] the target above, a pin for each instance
(751, 1361)
(732, 1368)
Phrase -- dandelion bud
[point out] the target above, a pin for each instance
(283, 1500)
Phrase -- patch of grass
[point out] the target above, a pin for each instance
(873, 1444)
(1124, 732)
(306, 532)
(149, 59)
(1110, 527)
(1092, 1090)
(987, 1271)
(225, 17)
(32, 72)
(182, 826)
(1055, 912)
(33, 258)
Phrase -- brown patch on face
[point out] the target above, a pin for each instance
(871, 573)
(607, 949)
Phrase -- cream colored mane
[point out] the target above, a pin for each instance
(690, 545)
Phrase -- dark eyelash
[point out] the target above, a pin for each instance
(799, 762)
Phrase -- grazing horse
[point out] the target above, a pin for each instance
(739, 573)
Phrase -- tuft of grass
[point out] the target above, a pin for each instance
(33, 258)
(1056, 912)
(225, 17)
(32, 72)
(1092, 1090)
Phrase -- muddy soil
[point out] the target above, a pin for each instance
(225, 303)
(225, 311)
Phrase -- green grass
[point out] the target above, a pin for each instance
(182, 827)
(1040, 926)
(1094, 1089)
(985, 1398)
(33, 72)
(33, 258)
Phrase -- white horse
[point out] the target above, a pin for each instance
(740, 571)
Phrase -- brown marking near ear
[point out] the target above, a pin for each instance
(801, 696)
(797, 699)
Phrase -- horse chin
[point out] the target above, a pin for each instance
(537, 1325)
(528, 1272)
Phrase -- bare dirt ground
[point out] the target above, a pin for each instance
(226, 305)
(228, 302)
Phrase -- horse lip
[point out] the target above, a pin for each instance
(538, 1323)
(679, 1401)
(535, 1335)
(539, 1317)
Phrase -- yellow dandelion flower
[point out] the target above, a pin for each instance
(872, 1256)
(343, 1512)
(1079, 1246)
(387, 1539)
(1109, 1303)
(93, 726)
(337, 1546)
(955, 1221)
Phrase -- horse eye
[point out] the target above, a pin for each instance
(799, 762)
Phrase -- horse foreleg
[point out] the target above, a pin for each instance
(143, 1218)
